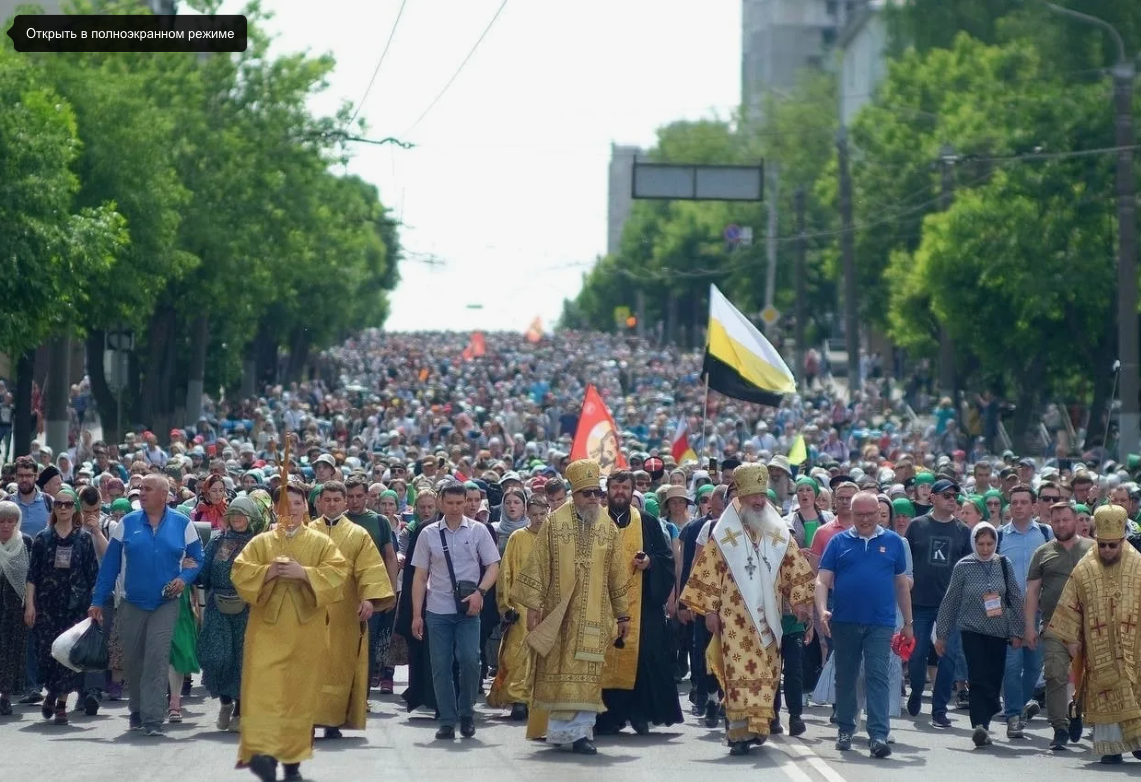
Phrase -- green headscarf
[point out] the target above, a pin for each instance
(262, 498)
(704, 491)
(121, 505)
(390, 493)
(804, 480)
(651, 503)
(251, 509)
(1079, 509)
(903, 507)
(924, 478)
(979, 503)
(772, 496)
(994, 493)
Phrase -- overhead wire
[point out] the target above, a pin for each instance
(436, 100)
(380, 62)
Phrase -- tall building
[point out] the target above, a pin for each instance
(782, 37)
(863, 57)
(620, 199)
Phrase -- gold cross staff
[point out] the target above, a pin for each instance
(731, 537)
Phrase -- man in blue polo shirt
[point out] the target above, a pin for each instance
(865, 567)
(162, 554)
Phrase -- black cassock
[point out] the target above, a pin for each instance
(654, 697)
(420, 691)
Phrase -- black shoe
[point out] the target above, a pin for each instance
(292, 772)
(264, 768)
(844, 742)
(712, 714)
(135, 722)
(31, 698)
(467, 727)
(333, 733)
(940, 720)
(760, 740)
(47, 710)
(915, 702)
(1061, 738)
(1137, 754)
(1076, 729)
(518, 712)
(641, 727)
(739, 748)
(880, 749)
(5, 707)
(963, 699)
(1111, 760)
(796, 726)
(832, 717)
(775, 728)
(90, 705)
(446, 733)
(584, 747)
(186, 687)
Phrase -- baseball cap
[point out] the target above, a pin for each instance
(943, 485)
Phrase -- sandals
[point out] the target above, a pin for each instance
(174, 716)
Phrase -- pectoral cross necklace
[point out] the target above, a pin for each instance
(750, 563)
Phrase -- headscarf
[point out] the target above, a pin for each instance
(14, 558)
(251, 509)
(902, 505)
(652, 506)
(122, 505)
(207, 511)
(994, 493)
(811, 483)
(1079, 509)
(262, 498)
(506, 526)
(983, 526)
(979, 503)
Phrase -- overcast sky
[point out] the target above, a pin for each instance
(508, 182)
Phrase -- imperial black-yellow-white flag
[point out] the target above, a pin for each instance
(739, 361)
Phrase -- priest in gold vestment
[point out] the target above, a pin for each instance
(512, 685)
(574, 589)
(739, 582)
(289, 576)
(343, 700)
(1097, 618)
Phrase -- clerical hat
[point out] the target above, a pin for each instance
(1109, 522)
(584, 474)
(751, 479)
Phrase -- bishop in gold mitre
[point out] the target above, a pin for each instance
(574, 588)
(1097, 618)
(739, 582)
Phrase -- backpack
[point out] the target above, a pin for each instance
(1046, 532)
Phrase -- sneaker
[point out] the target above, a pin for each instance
(890, 738)
(940, 720)
(981, 737)
(796, 726)
(31, 698)
(1061, 738)
(844, 742)
(90, 704)
(880, 749)
(225, 714)
(963, 699)
(155, 731)
(1015, 728)
(135, 722)
(1030, 711)
(915, 703)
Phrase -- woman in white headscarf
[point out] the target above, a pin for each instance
(15, 548)
(984, 602)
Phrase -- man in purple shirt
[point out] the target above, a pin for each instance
(452, 635)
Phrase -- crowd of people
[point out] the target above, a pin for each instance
(430, 514)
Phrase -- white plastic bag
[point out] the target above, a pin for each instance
(61, 647)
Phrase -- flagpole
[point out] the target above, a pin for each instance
(704, 421)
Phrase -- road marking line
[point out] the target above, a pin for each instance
(791, 769)
(813, 760)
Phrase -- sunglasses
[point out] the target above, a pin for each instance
(599, 493)
(949, 495)
(1110, 546)
(64, 504)
(1055, 498)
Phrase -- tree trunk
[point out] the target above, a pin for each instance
(265, 359)
(195, 384)
(57, 394)
(23, 426)
(298, 355)
(156, 371)
(105, 399)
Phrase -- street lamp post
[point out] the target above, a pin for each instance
(1128, 348)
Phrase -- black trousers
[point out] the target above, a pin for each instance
(986, 664)
(792, 661)
(704, 682)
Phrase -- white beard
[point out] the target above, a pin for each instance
(590, 513)
(754, 520)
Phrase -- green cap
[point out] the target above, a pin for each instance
(121, 505)
(772, 496)
(1079, 509)
(704, 491)
(924, 478)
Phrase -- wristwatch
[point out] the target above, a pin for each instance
(481, 590)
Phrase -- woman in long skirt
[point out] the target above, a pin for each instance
(15, 555)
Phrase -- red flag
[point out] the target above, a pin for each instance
(597, 437)
(478, 344)
(535, 331)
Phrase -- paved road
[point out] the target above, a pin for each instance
(99, 748)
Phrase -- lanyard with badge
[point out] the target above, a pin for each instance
(992, 601)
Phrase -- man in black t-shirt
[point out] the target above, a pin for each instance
(937, 540)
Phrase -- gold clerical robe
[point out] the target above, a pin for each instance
(516, 660)
(1100, 609)
(748, 671)
(343, 702)
(621, 669)
(287, 641)
(576, 578)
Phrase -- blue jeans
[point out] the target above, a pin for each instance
(870, 644)
(454, 637)
(917, 666)
(1023, 667)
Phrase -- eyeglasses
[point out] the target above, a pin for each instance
(949, 495)
(1110, 546)
(1054, 498)
(63, 504)
(588, 493)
